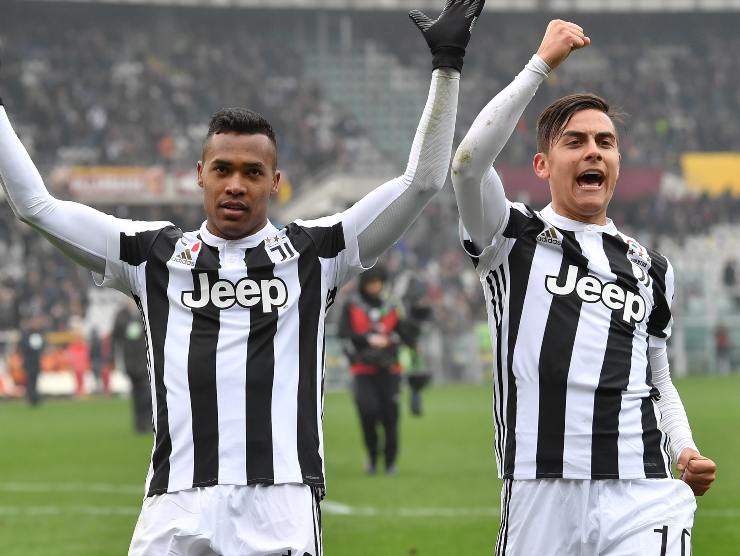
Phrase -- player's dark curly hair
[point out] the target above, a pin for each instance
(240, 120)
(555, 117)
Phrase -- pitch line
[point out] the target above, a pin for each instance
(327, 506)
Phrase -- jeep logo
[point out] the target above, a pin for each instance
(590, 289)
(246, 293)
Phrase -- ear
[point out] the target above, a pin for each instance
(275, 183)
(200, 174)
(541, 166)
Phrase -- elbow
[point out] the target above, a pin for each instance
(463, 169)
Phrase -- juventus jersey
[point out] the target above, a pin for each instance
(572, 308)
(235, 338)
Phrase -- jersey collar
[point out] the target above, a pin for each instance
(549, 215)
(245, 242)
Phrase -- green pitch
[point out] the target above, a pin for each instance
(71, 476)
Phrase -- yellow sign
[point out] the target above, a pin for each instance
(712, 173)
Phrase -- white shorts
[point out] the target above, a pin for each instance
(230, 520)
(563, 517)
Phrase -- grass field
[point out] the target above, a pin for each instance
(71, 476)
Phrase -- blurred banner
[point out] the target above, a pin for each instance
(120, 184)
(712, 173)
(634, 183)
(136, 185)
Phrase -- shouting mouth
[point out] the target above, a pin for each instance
(591, 180)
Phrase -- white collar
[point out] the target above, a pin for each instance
(548, 214)
(247, 241)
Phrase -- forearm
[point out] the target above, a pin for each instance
(674, 421)
(478, 190)
(381, 217)
(67, 225)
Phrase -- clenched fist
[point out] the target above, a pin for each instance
(561, 38)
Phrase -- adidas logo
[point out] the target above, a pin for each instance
(549, 236)
(186, 256)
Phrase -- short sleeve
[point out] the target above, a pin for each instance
(336, 242)
(129, 243)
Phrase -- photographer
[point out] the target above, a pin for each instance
(372, 330)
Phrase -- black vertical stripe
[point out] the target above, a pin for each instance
(652, 458)
(260, 374)
(157, 279)
(615, 370)
(309, 308)
(328, 240)
(554, 363)
(520, 266)
(472, 250)
(660, 316)
(202, 374)
(135, 249)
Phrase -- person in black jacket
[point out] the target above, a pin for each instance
(31, 347)
(129, 350)
(372, 329)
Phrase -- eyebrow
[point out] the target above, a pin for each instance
(582, 134)
(222, 162)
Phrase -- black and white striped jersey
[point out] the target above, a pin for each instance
(235, 333)
(572, 308)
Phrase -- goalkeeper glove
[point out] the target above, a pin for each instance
(449, 34)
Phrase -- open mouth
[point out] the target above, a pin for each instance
(591, 179)
(233, 209)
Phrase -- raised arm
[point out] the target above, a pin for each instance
(478, 189)
(380, 218)
(80, 232)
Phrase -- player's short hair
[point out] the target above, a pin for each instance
(242, 121)
(554, 118)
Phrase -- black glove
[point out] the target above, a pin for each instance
(448, 35)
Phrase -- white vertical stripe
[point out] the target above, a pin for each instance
(631, 446)
(176, 349)
(589, 348)
(546, 261)
(285, 381)
(231, 377)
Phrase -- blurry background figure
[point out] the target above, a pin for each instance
(372, 330)
(729, 279)
(418, 313)
(128, 347)
(100, 371)
(723, 346)
(31, 347)
(78, 355)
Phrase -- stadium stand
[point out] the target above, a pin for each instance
(107, 85)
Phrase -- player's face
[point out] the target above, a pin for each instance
(582, 167)
(238, 177)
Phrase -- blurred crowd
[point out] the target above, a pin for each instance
(136, 86)
(675, 83)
